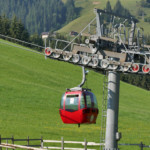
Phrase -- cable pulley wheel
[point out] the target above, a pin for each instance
(48, 51)
(95, 62)
(146, 68)
(125, 68)
(135, 67)
(75, 58)
(66, 57)
(56, 55)
(113, 66)
(85, 60)
(104, 63)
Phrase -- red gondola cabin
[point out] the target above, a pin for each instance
(78, 107)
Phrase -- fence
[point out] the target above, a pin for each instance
(13, 140)
(42, 146)
(85, 144)
(141, 145)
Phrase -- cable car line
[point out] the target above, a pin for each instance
(23, 48)
(21, 41)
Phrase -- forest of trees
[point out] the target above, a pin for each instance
(142, 4)
(14, 28)
(40, 15)
(118, 9)
(145, 3)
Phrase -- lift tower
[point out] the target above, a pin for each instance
(112, 135)
(117, 46)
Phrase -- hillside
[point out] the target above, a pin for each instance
(87, 14)
(30, 93)
(44, 16)
(39, 16)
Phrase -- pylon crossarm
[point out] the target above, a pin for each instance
(109, 48)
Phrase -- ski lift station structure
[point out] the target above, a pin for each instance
(117, 46)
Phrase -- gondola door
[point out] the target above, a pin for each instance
(91, 108)
(70, 108)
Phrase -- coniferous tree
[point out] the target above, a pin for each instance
(108, 9)
(5, 26)
(22, 32)
(108, 6)
(143, 3)
(36, 39)
(13, 27)
(119, 9)
(70, 12)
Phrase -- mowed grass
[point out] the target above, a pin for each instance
(30, 92)
(87, 13)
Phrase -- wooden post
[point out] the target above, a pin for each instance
(7, 143)
(141, 145)
(12, 140)
(28, 141)
(62, 143)
(42, 144)
(85, 144)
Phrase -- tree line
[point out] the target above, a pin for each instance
(145, 3)
(40, 15)
(141, 5)
(118, 9)
(15, 28)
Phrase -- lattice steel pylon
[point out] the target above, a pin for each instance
(104, 110)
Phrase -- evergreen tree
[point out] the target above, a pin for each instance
(70, 12)
(143, 3)
(22, 32)
(36, 39)
(119, 9)
(108, 9)
(5, 26)
(108, 6)
(13, 27)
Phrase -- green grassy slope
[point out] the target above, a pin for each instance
(87, 13)
(30, 92)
